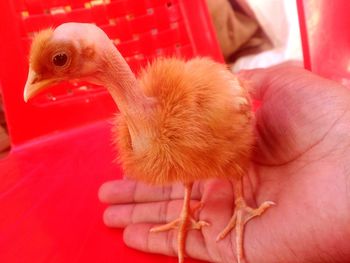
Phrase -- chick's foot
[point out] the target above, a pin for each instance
(242, 214)
(184, 223)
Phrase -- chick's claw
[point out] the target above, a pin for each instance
(184, 223)
(241, 216)
(198, 224)
(245, 213)
(193, 224)
(183, 220)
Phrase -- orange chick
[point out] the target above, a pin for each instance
(180, 122)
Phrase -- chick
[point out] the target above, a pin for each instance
(180, 122)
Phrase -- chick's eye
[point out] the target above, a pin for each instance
(60, 59)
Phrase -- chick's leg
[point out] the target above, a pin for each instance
(183, 223)
(242, 214)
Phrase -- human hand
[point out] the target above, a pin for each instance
(301, 162)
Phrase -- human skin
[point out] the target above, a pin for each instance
(301, 162)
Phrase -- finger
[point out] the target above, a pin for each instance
(259, 81)
(139, 237)
(128, 191)
(154, 212)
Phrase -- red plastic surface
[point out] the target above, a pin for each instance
(325, 33)
(61, 146)
(49, 206)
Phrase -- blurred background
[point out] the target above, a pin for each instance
(254, 33)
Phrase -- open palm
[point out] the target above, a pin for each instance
(301, 162)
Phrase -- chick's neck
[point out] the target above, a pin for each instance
(125, 90)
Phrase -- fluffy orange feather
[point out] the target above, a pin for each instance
(201, 125)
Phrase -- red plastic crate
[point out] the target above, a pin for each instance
(61, 146)
(326, 37)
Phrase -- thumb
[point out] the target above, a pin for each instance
(260, 80)
(254, 80)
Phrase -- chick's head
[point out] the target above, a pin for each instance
(73, 51)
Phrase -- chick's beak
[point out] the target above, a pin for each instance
(35, 84)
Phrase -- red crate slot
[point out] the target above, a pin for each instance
(34, 7)
(123, 28)
(121, 8)
(37, 22)
(77, 3)
(99, 15)
(160, 18)
(81, 15)
(52, 4)
(19, 5)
